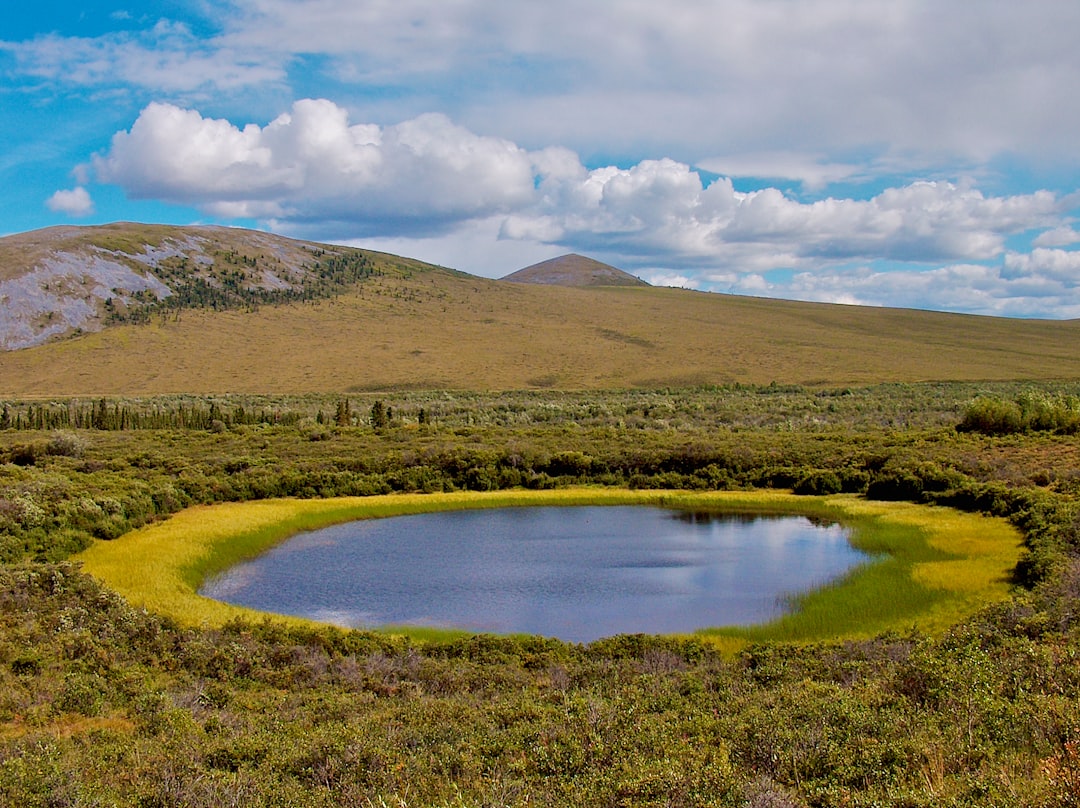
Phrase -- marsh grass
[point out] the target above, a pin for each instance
(934, 566)
(931, 567)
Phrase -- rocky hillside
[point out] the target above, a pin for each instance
(65, 280)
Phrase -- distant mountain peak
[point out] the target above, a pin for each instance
(574, 270)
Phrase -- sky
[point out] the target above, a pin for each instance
(912, 153)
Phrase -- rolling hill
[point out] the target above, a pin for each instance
(574, 270)
(64, 280)
(249, 312)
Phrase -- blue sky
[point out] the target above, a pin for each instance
(879, 152)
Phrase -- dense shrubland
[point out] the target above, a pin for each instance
(1031, 411)
(101, 704)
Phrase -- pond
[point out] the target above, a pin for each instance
(578, 573)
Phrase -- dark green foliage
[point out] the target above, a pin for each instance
(819, 483)
(379, 417)
(895, 486)
(234, 281)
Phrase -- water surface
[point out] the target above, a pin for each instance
(577, 573)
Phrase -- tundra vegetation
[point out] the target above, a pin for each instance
(103, 702)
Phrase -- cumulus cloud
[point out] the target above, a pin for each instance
(1035, 285)
(311, 164)
(663, 278)
(428, 175)
(1061, 266)
(76, 202)
(1058, 237)
(662, 206)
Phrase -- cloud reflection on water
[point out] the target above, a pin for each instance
(578, 573)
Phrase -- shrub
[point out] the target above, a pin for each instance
(1032, 411)
(992, 416)
(853, 481)
(1049, 413)
(81, 693)
(27, 454)
(818, 483)
(67, 444)
(895, 486)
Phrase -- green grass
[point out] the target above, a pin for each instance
(935, 565)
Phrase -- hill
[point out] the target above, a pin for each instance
(405, 325)
(64, 280)
(574, 270)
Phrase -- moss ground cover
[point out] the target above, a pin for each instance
(934, 565)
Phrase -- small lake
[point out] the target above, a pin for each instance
(576, 573)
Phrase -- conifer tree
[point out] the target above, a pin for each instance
(379, 419)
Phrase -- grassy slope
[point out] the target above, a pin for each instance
(440, 330)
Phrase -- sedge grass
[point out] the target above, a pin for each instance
(930, 566)
(933, 566)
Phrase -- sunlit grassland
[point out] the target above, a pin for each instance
(435, 330)
(932, 565)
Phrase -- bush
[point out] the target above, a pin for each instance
(895, 486)
(67, 444)
(992, 416)
(27, 454)
(818, 483)
(1032, 411)
(1049, 413)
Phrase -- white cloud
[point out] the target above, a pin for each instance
(806, 82)
(814, 171)
(1061, 266)
(1040, 290)
(167, 57)
(664, 278)
(661, 206)
(1058, 237)
(311, 165)
(76, 202)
